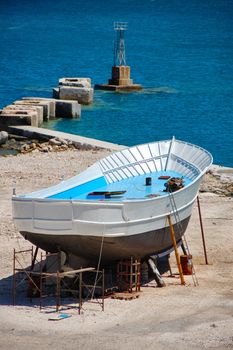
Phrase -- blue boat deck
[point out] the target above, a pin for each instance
(135, 188)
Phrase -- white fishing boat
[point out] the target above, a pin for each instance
(119, 205)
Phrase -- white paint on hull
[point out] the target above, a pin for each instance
(35, 213)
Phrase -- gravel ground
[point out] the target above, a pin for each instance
(174, 317)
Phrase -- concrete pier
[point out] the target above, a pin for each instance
(59, 108)
(52, 108)
(34, 110)
(38, 133)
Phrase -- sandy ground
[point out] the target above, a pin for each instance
(174, 317)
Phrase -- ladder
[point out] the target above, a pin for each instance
(185, 247)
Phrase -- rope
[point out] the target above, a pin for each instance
(98, 266)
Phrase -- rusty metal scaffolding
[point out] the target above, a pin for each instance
(37, 281)
(20, 272)
(128, 275)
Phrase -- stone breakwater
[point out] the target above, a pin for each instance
(36, 110)
(68, 98)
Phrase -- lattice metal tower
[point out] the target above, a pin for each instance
(119, 44)
(120, 79)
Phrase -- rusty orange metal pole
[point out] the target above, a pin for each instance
(182, 281)
(202, 230)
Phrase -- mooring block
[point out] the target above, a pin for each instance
(37, 109)
(83, 95)
(67, 109)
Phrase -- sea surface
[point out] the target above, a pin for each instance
(180, 51)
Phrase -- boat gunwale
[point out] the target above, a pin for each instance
(124, 201)
(107, 203)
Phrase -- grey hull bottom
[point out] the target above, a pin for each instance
(88, 247)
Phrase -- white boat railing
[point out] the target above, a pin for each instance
(179, 156)
(169, 153)
(114, 174)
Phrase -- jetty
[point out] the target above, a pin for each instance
(36, 110)
(66, 103)
(42, 133)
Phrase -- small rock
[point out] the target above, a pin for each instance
(77, 145)
(25, 147)
(33, 145)
(3, 137)
(213, 325)
(45, 149)
(64, 147)
(55, 142)
(63, 141)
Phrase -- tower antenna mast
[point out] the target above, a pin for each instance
(119, 45)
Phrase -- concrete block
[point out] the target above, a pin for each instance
(51, 101)
(40, 103)
(119, 88)
(56, 93)
(120, 76)
(82, 95)
(14, 117)
(37, 109)
(67, 109)
(77, 82)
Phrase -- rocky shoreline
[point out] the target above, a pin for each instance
(20, 144)
(218, 180)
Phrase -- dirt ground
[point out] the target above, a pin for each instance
(174, 317)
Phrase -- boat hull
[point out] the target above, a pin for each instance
(88, 248)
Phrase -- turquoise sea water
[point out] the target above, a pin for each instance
(180, 51)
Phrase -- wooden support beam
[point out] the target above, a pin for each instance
(158, 279)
